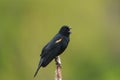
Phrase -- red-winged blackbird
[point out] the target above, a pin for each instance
(55, 47)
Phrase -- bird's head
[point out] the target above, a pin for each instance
(65, 30)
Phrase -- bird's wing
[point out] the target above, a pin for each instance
(51, 54)
(51, 45)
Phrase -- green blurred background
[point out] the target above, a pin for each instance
(27, 25)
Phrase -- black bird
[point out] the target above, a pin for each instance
(55, 47)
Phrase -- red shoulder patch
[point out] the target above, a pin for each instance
(59, 40)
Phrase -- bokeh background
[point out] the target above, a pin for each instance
(27, 25)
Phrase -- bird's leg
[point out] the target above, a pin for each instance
(58, 75)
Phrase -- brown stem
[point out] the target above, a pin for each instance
(58, 75)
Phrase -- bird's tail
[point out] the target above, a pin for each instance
(37, 70)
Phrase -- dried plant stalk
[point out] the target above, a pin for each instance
(58, 72)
